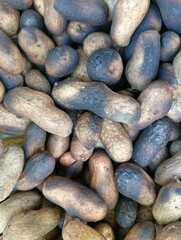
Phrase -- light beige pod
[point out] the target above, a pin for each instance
(127, 15)
(171, 231)
(11, 166)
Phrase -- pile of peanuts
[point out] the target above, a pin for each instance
(90, 112)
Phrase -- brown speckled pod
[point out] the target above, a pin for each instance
(11, 168)
(166, 208)
(77, 200)
(170, 232)
(75, 94)
(105, 230)
(133, 182)
(102, 178)
(116, 141)
(11, 59)
(39, 108)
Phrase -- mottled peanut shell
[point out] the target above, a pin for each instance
(166, 208)
(31, 18)
(170, 232)
(133, 182)
(105, 230)
(20, 4)
(67, 160)
(16, 203)
(102, 178)
(127, 15)
(77, 200)
(39, 108)
(11, 59)
(39, 6)
(35, 224)
(116, 141)
(11, 162)
(35, 43)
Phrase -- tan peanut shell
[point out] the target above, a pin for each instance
(39, 6)
(171, 231)
(105, 230)
(2, 91)
(39, 108)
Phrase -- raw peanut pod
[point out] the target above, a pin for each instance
(11, 162)
(67, 160)
(102, 178)
(16, 203)
(140, 73)
(166, 208)
(39, 6)
(54, 21)
(133, 182)
(11, 123)
(35, 43)
(144, 213)
(37, 81)
(57, 145)
(170, 232)
(53, 234)
(125, 212)
(35, 224)
(95, 41)
(77, 200)
(93, 12)
(168, 9)
(110, 218)
(106, 231)
(88, 129)
(75, 94)
(2, 91)
(78, 151)
(34, 140)
(77, 230)
(116, 141)
(39, 108)
(36, 170)
(19, 4)
(170, 45)
(144, 230)
(127, 15)
(31, 18)
(166, 72)
(132, 132)
(175, 147)
(11, 59)
(151, 140)
(169, 170)
(9, 19)
(176, 67)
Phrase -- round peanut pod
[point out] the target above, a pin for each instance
(81, 69)
(79, 151)
(31, 18)
(95, 41)
(169, 170)
(61, 61)
(39, 108)
(168, 9)
(54, 21)
(151, 140)
(106, 231)
(133, 182)
(62, 39)
(166, 72)
(170, 45)
(9, 19)
(11, 168)
(35, 224)
(93, 12)
(11, 123)
(170, 231)
(102, 178)
(77, 230)
(105, 65)
(166, 207)
(175, 147)
(11, 59)
(72, 197)
(35, 43)
(126, 211)
(57, 145)
(16, 203)
(20, 4)
(36, 80)
(127, 15)
(143, 230)
(74, 94)
(88, 129)
(67, 160)
(39, 6)
(36, 170)
(140, 73)
(34, 140)
(2, 92)
(151, 21)
(144, 213)
(78, 31)
(176, 67)
(116, 141)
